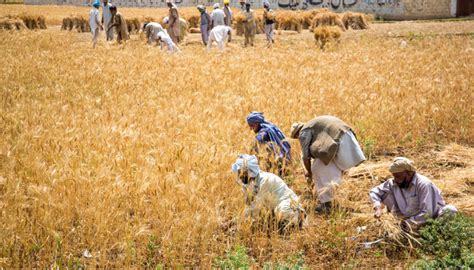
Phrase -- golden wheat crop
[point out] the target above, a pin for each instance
(125, 151)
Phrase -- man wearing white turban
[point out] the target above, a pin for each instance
(217, 16)
(409, 195)
(266, 191)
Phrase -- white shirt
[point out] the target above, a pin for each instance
(152, 29)
(106, 14)
(94, 20)
(217, 16)
(167, 40)
(219, 33)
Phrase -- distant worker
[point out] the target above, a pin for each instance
(151, 30)
(333, 147)
(409, 196)
(242, 5)
(219, 35)
(94, 22)
(249, 25)
(107, 20)
(267, 195)
(205, 24)
(228, 13)
(165, 40)
(118, 21)
(217, 16)
(174, 27)
(269, 21)
(271, 138)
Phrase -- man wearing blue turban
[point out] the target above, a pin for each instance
(271, 137)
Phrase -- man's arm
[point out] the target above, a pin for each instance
(305, 142)
(377, 195)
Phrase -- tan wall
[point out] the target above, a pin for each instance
(388, 9)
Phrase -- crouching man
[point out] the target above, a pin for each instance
(409, 196)
(265, 191)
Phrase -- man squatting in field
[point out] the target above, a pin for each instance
(333, 147)
(219, 34)
(107, 20)
(265, 191)
(94, 22)
(118, 21)
(151, 30)
(205, 23)
(409, 196)
(272, 139)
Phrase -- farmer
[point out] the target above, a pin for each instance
(107, 20)
(272, 139)
(267, 193)
(228, 13)
(205, 24)
(333, 147)
(217, 16)
(409, 195)
(173, 22)
(152, 29)
(165, 40)
(269, 21)
(219, 34)
(118, 21)
(249, 26)
(95, 23)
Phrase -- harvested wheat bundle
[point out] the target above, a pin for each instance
(67, 24)
(193, 20)
(326, 34)
(33, 21)
(194, 30)
(239, 24)
(287, 32)
(307, 17)
(133, 25)
(81, 24)
(327, 19)
(289, 20)
(355, 21)
(11, 24)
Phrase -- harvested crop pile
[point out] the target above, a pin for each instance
(326, 34)
(194, 30)
(33, 21)
(289, 20)
(239, 24)
(79, 23)
(308, 16)
(328, 19)
(193, 20)
(11, 24)
(133, 25)
(356, 21)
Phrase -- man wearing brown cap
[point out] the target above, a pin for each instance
(332, 146)
(409, 195)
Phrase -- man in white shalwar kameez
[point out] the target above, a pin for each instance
(165, 39)
(151, 30)
(94, 23)
(107, 20)
(332, 146)
(265, 191)
(219, 35)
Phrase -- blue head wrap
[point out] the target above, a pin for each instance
(255, 117)
(96, 4)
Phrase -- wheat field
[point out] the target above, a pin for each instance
(125, 151)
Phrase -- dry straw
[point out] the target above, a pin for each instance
(326, 34)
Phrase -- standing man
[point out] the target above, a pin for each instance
(173, 22)
(333, 147)
(274, 142)
(228, 13)
(409, 195)
(94, 22)
(217, 16)
(250, 26)
(118, 21)
(107, 20)
(219, 35)
(269, 20)
(205, 24)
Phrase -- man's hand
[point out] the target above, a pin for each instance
(309, 178)
(377, 212)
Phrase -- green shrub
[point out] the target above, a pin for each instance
(294, 262)
(236, 258)
(447, 243)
